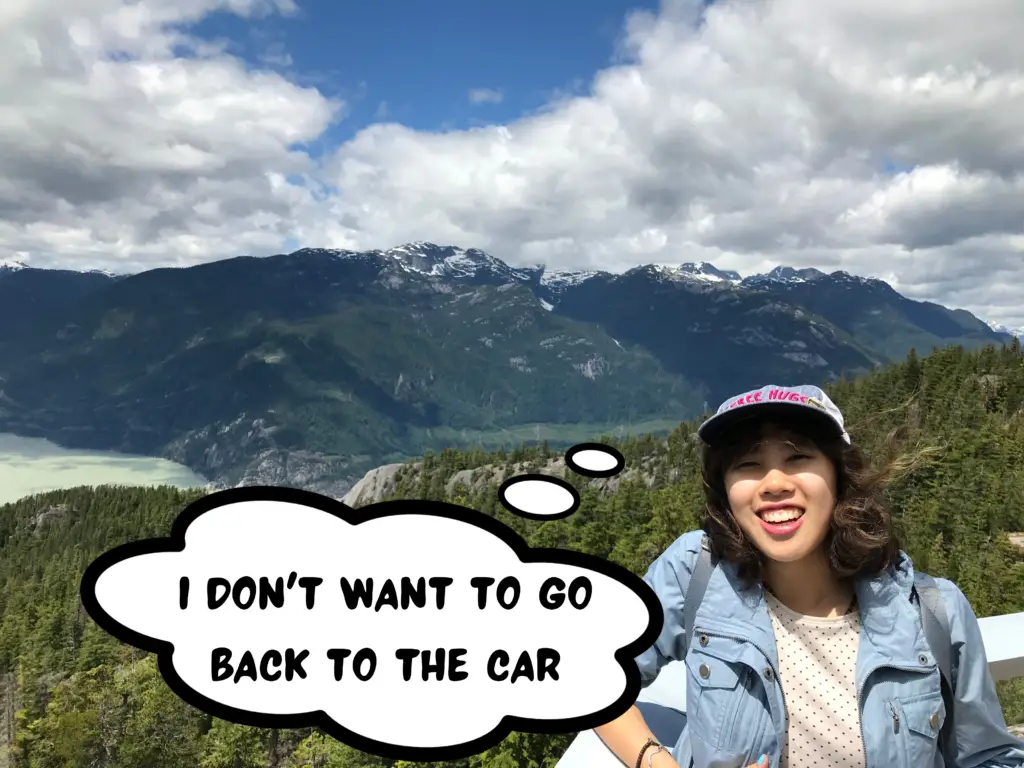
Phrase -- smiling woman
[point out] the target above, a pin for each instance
(809, 646)
(768, 478)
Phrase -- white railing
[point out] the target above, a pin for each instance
(663, 701)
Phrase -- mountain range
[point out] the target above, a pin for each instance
(308, 368)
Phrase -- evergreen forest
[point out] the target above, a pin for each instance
(73, 696)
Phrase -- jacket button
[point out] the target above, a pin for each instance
(768, 674)
(933, 721)
(703, 639)
(705, 671)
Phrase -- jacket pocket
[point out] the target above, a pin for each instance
(706, 756)
(715, 693)
(922, 717)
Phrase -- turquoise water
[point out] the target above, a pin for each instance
(30, 465)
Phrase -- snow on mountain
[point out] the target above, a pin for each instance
(788, 275)
(451, 261)
(11, 265)
(1018, 332)
(478, 267)
(703, 270)
(558, 279)
(699, 273)
(796, 275)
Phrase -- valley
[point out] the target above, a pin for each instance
(311, 368)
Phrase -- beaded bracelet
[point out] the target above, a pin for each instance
(640, 757)
(652, 753)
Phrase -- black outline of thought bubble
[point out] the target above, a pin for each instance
(625, 656)
(620, 460)
(535, 515)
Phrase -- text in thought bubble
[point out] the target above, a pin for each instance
(409, 629)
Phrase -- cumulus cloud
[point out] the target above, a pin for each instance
(128, 143)
(746, 133)
(485, 96)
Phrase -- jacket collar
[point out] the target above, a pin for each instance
(890, 620)
(888, 617)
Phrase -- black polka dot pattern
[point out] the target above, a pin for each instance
(817, 670)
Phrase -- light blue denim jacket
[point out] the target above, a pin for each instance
(738, 711)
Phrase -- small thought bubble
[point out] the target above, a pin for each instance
(413, 630)
(594, 460)
(539, 497)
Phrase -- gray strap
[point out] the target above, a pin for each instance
(695, 590)
(937, 631)
(936, 623)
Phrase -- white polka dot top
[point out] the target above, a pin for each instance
(817, 670)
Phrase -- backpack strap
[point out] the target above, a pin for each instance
(695, 590)
(935, 622)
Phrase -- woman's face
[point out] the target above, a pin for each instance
(782, 493)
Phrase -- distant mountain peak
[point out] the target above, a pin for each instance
(1018, 332)
(557, 279)
(786, 276)
(693, 273)
(10, 265)
(340, 252)
(451, 261)
(424, 249)
(791, 274)
(707, 271)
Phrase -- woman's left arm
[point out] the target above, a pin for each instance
(982, 738)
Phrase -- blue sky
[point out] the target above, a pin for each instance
(422, 59)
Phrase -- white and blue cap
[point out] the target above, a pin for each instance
(770, 400)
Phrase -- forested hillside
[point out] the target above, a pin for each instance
(74, 697)
(307, 369)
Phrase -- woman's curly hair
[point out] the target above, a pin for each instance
(861, 540)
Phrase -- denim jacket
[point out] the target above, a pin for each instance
(736, 709)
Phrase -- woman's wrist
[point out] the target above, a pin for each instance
(663, 759)
(657, 756)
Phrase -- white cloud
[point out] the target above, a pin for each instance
(147, 157)
(485, 96)
(755, 135)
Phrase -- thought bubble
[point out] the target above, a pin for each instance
(594, 460)
(414, 630)
(539, 497)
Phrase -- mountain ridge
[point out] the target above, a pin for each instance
(456, 261)
(322, 363)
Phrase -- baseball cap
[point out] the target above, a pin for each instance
(773, 399)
